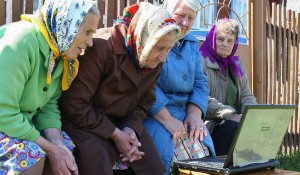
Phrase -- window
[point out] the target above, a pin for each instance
(208, 14)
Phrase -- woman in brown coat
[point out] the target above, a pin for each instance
(104, 109)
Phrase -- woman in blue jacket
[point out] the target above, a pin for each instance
(181, 90)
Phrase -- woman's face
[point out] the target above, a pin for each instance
(185, 18)
(83, 38)
(225, 43)
(160, 51)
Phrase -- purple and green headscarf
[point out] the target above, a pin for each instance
(209, 49)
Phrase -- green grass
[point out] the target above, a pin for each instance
(290, 162)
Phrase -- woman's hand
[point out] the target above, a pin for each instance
(175, 127)
(127, 143)
(196, 127)
(134, 153)
(62, 162)
(193, 122)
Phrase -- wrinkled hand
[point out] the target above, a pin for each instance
(62, 161)
(175, 127)
(134, 153)
(127, 143)
(196, 127)
(236, 117)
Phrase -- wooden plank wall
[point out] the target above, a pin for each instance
(283, 27)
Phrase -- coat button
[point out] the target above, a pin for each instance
(185, 77)
(129, 94)
(45, 88)
(37, 109)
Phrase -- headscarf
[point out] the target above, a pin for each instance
(59, 21)
(170, 5)
(208, 49)
(146, 24)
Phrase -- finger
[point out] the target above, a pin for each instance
(74, 165)
(139, 153)
(70, 161)
(201, 133)
(192, 131)
(66, 171)
(134, 141)
(205, 131)
(176, 136)
(185, 125)
(197, 134)
(133, 158)
(132, 136)
(75, 172)
(125, 159)
(133, 149)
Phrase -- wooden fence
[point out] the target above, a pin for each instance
(109, 9)
(275, 55)
(282, 60)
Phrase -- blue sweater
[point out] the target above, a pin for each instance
(182, 79)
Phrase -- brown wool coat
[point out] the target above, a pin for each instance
(108, 92)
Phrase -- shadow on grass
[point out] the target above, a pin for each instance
(290, 162)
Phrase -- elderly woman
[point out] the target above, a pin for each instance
(104, 109)
(228, 83)
(181, 90)
(38, 61)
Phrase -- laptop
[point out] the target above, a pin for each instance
(255, 144)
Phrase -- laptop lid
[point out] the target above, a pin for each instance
(259, 135)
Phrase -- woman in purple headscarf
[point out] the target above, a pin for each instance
(228, 83)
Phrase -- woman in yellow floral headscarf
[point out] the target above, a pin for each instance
(38, 59)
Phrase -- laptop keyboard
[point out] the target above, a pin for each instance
(212, 162)
(207, 164)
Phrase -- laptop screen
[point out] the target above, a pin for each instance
(260, 133)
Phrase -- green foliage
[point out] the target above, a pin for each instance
(290, 162)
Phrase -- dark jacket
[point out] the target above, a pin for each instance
(108, 92)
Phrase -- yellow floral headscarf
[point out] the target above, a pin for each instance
(59, 21)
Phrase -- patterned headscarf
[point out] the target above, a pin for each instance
(208, 49)
(146, 24)
(59, 21)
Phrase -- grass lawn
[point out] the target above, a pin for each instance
(291, 162)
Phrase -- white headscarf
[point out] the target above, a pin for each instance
(170, 5)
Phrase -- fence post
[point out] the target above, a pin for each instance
(109, 8)
(259, 49)
(29, 7)
(120, 7)
(17, 10)
(2, 12)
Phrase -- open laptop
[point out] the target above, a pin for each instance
(255, 144)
